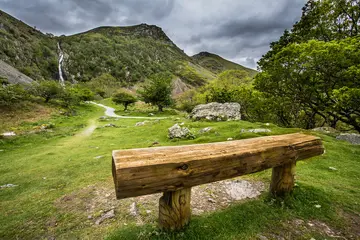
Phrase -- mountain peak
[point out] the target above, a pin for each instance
(140, 30)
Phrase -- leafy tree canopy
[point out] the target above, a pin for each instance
(157, 90)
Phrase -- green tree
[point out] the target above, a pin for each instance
(321, 78)
(157, 90)
(124, 98)
(47, 90)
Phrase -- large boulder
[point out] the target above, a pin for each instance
(180, 132)
(352, 138)
(216, 112)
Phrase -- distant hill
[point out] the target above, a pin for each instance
(130, 54)
(217, 64)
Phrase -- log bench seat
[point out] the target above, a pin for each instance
(174, 170)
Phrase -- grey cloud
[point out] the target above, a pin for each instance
(239, 30)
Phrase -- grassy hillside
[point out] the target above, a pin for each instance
(130, 54)
(27, 49)
(218, 64)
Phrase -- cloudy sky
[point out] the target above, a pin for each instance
(239, 30)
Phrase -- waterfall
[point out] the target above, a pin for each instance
(61, 59)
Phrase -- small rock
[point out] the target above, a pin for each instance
(352, 138)
(256, 130)
(90, 217)
(109, 214)
(148, 211)
(180, 132)
(318, 206)
(325, 129)
(211, 200)
(133, 209)
(139, 124)
(182, 124)
(154, 144)
(261, 237)
(333, 169)
(205, 130)
(8, 134)
(44, 178)
(151, 114)
(8, 185)
(267, 124)
(110, 125)
(98, 157)
(230, 139)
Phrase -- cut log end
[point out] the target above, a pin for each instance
(174, 209)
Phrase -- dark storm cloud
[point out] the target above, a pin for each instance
(239, 30)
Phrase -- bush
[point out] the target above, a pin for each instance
(12, 94)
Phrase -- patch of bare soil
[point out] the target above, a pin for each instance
(300, 229)
(96, 204)
(30, 112)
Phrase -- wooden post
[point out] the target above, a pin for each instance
(174, 209)
(282, 180)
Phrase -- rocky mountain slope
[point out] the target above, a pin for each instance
(217, 64)
(130, 54)
(12, 75)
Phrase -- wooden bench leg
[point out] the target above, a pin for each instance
(282, 180)
(174, 209)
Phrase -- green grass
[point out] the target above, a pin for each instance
(52, 169)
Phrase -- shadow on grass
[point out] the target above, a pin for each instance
(243, 221)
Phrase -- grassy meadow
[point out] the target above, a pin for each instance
(63, 175)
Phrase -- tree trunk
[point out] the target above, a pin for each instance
(125, 106)
(282, 180)
(174, 209)
(160, 108)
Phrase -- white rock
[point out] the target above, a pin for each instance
(256, 130)
(179, 132)
(109, 214)
(332, 168)
(230, 139)
(216, 111)
(318, 206)
(241, 189)
(352, 138)
(133, 209)
(139, 124)
(8, 134)
(205, 130)
(8, 185)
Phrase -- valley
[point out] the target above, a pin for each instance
(68, 101)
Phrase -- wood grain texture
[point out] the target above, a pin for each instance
(144, 171)
(282, 179)
(174, 209)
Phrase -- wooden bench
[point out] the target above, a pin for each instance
(174, 170)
